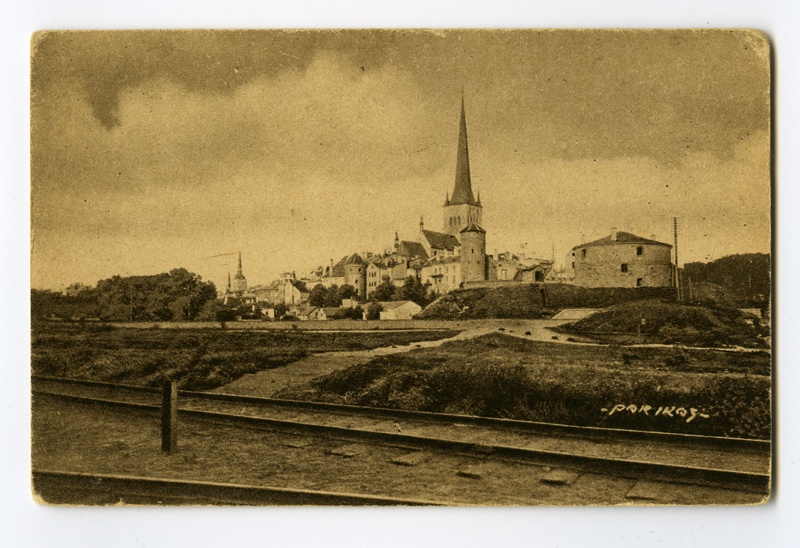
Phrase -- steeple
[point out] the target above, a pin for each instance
(229, 282)
(239, 281)
(462, 193)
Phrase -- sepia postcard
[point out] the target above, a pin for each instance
(401, 267)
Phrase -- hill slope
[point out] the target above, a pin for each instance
(526, 300)
(669, 323)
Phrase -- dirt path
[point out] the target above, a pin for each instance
(271, 381)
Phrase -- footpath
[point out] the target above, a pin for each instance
(267, 383)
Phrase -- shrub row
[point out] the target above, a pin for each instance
(735, 405)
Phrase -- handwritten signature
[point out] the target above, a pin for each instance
(664, 411)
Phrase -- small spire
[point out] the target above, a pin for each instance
(421, 223)
(239, 269)
(479, 197)
(447, 198)
(229, 282)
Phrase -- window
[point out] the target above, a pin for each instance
(573, 265)
(624, 267)
(639, 282)
(640, 251)
(583, 253)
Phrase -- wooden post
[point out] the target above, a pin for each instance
(169, 416)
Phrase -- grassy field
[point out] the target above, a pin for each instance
(199, 359)
(654, 321)
(698, 391)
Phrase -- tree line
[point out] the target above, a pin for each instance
(176, 295)
(411, 290)
(746, 277)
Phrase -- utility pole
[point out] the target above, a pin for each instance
(677, 269)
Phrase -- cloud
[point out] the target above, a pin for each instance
(297, 147)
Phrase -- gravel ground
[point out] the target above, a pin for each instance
(690, 454)
(94, 439)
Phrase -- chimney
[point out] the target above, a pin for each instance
(614, 234)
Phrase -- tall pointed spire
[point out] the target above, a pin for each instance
(462, 193)
(239, 269)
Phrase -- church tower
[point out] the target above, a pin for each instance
(239, 281)
(462, 209)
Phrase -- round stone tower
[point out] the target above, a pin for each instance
(473, 253)
(355, 274)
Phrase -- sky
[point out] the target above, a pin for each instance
(157, 150)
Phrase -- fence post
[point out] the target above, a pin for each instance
(169, 416)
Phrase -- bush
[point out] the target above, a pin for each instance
(374, 311)
(353, 313)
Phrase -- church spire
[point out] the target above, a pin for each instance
(462, 193)
(239, 269)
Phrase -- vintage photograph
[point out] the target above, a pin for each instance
(401, 267)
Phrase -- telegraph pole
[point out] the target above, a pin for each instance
(677, 269)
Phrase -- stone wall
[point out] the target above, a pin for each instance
(623, 265)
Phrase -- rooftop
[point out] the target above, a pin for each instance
(440, 240)
(622, 238)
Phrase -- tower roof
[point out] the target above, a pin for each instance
(355, 258)
(239, 274)
(472, 227)
(462, 192)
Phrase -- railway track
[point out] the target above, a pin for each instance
(728, 463)
(60, 487)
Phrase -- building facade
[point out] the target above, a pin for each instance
(623, 260)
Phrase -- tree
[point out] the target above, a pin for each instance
(280, 310)
(374, 311)
(746, 277)
(385, 291)
(318, 296)
(177, 295)
(47, 304)
(353, 313)
(347, 291)
(413, 290)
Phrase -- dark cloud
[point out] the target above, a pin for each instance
(596, 93)
(155, 135)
